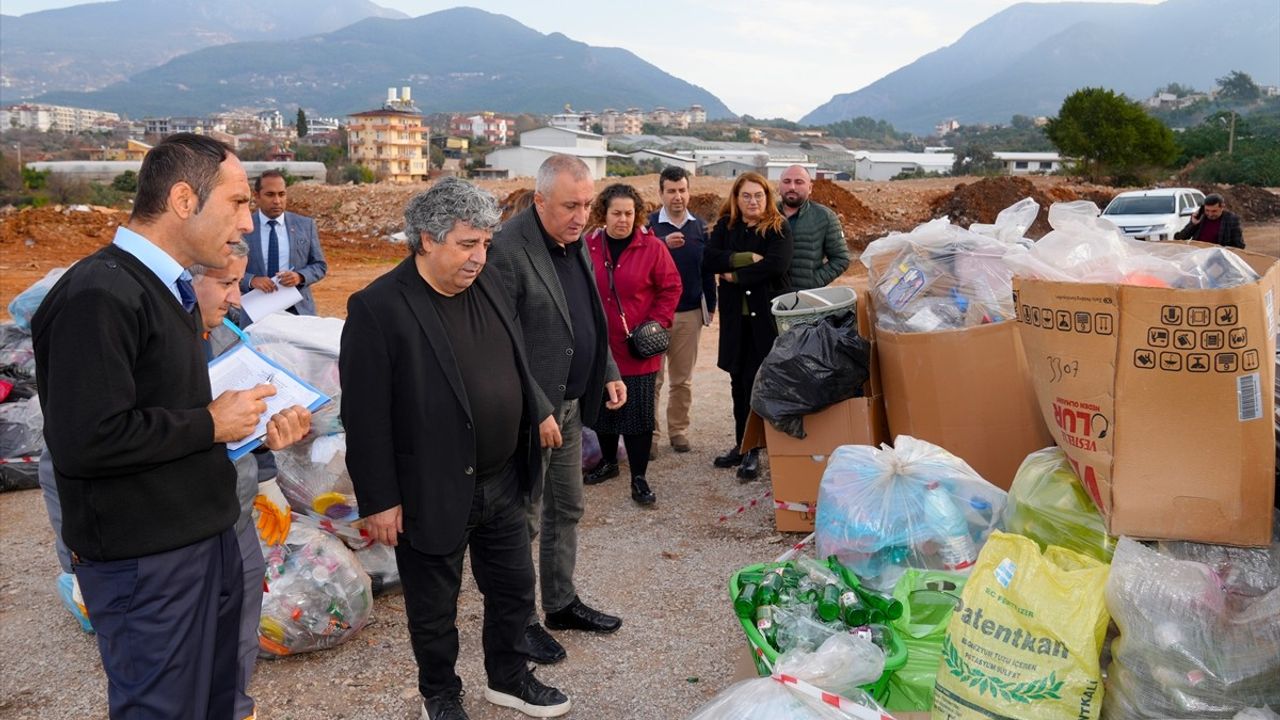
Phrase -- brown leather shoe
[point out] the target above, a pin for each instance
(680, 443)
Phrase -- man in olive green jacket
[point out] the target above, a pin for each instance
(820, 254)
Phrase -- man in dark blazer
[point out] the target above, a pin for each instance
(441, 458)
(549, 279)
(298, 261)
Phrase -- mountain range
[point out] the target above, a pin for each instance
(1027, 58)
(87, 47)
(454, 59)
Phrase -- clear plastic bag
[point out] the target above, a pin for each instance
(811, 366)
(308, 347)
(1083, 247)
(314, 479)
(1199, 630)
(380, 562)
(882, 510)
(940, 276)
(317, 594)
(1048, 504)
(835, 667)
(25, 303)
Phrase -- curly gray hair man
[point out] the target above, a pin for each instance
(448, 202)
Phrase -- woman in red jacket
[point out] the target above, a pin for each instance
(646, 282)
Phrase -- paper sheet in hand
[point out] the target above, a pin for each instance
(260, 304)
(241, 368)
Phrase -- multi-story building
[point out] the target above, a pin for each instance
(133, 150)
(55, 118)
(697, 116)
(391, 141)
(492, 128)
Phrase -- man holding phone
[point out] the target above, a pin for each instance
(684, 235)
(1213, 223)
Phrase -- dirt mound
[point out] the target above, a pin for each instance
(1252, 204)
(861, 224)
(981, 201)
(57, 233)
(706, 206)
(367, 211)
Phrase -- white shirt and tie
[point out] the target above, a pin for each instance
(282, 235)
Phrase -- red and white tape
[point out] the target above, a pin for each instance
(839, 702)
(23, 460)
(797, 507)
(743, 508)
(796, 549)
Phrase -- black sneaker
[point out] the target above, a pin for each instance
(640, 491)
(601, 472)
(581, 616)
(732, 458)
(750, 468)
(543, 649)
(530, 697)
(447, 706)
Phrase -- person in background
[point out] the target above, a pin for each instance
(544, 266)
(1213, 223)
(685, 236)
(750, 249)
(284, 247)
(820, 253)
(638, 282)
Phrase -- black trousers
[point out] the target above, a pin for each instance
(742, 378)
(168, 628)
(498, 537)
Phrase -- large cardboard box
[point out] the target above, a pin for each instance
(796, 466)
(967, 390)
(1162, 400)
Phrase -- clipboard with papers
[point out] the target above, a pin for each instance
(242, 368)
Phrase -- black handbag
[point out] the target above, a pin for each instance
(648, 340)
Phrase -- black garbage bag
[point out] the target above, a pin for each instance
(810, 367)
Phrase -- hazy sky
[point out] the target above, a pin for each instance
(777, 58)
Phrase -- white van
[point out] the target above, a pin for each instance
(1153, 214)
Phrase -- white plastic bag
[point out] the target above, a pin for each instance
(308, 347)
(882, 510)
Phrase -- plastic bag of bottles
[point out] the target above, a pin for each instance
(811, 366)
(942, 277)
(833, 668)
(25, 304)
(308, 347)
(1086, 248)
(882, 510)
(1199, 629)
(380, 562)
(317, 595)
(1048, 504)
(314, 479)
(928, 597)
(1025, 641)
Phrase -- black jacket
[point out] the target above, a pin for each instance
(748, 300)
(410, 441)
(125, 390)
(1229, 233)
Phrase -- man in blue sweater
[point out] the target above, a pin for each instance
(685, 236)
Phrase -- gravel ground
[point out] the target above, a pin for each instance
(662, 569)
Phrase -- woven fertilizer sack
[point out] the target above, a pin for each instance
(1026, 639)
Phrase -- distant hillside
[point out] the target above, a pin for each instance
(86, 47)
(453, 59)
(1027, 58)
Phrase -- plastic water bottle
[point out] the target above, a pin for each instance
(949, 528)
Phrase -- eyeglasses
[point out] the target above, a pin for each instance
(751, 198)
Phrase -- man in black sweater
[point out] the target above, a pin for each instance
(147, 489)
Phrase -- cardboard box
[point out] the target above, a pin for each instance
(967, 390)
(796, 466)
(1162, 400)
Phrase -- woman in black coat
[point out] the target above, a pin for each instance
(750, 250)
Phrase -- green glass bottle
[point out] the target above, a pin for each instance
(852, 611)
(767, 591)
(765, 624)
(888, 605)
(829, 602)
(846, 575)
(745, 604)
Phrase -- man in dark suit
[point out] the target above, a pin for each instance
(440, 456)
(284, 247)
(147, 490)
(549, 280)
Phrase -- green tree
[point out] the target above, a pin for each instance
(1176, 89)
(976, 160)
(1238, 86)
(597, 128)
(1110, 135)
(1022, 122)
(126, 181)
(302, 123)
